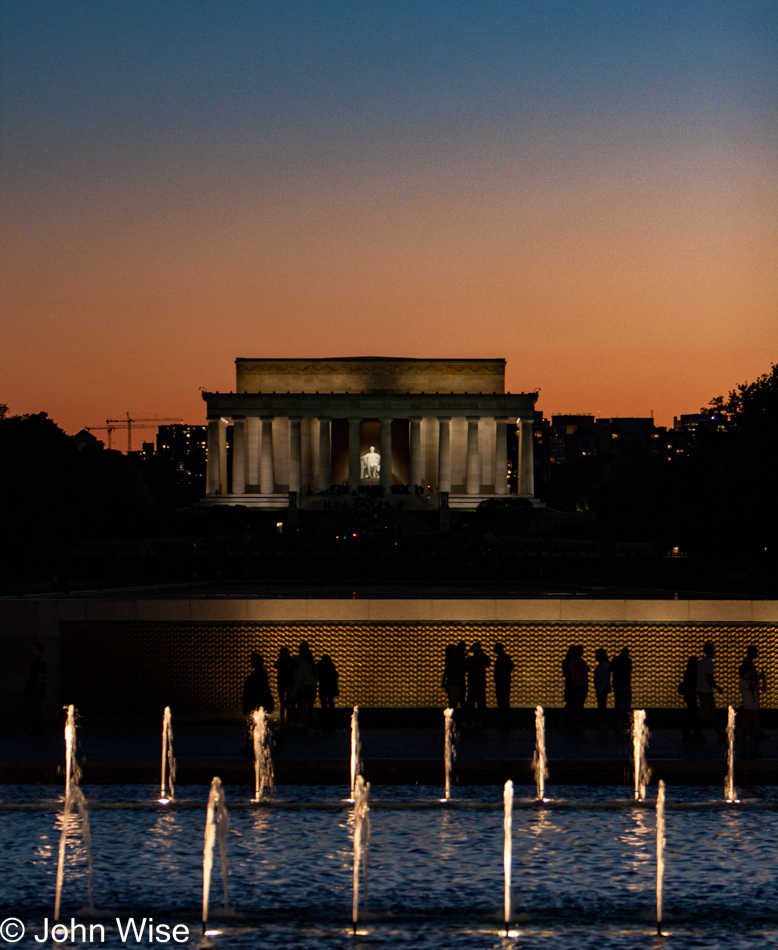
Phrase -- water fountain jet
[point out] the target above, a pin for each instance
(75, 797)
(449, 749)
(660, 854)
(361, 841)
(539, 759)
(639, 743)
(264, 773)
(72, 770)
(168, 760)
(507, 859)
(730, 793)
(217, 823)
(356, 750)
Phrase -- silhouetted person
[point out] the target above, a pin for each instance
(256, 688)
(328, 690)
(621, 678)
(304, 683)
(285, 667)
(35, 690)
(602, 684)
(748, 714)
(503, 668)
(688, 689)
(760, 678)
(477, 665)
(454, 675)
(706, 689)
(579, 681)
(567, 712)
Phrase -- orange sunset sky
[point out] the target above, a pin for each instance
(591, 197)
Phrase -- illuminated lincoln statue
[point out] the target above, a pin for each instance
(309, 425)
(371, 464)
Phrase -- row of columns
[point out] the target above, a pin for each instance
(216, 475)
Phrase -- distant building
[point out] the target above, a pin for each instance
(574, 437)
(693, 423)
(185, 445)
(85, 440)
(561, 428)
(350, 424)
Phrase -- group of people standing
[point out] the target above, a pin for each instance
(464, 681)
(698, 688)
(298, 680)
(609, 674)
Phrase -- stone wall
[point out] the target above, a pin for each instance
(118, 656)
(369, 375)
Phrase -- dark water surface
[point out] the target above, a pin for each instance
(584, 868)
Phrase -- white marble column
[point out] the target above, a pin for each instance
(501, 456)
(216, 452)
(385, 479)
(295, 456)
(324, 481)
(415, 451)
(238, 455)
(473, 467)
(526, 458)
(253, 426)
(266, 463)
(354, 449)
(444, 453)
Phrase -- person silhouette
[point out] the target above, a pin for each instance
(707, 687)
(621, 677)
(475, 670)
(328, 690)
(304, 683)
(285, 667)
(579, 681)
(503, 668)
(256, 688)
(602, 684)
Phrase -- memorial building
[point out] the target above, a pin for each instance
(317, 426)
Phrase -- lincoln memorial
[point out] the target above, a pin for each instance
(310, 425)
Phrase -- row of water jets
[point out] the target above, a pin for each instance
(217, 819)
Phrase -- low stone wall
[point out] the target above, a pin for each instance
(132, 657)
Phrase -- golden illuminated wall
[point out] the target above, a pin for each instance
(110, 668)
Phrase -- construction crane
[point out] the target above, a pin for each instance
(111, 424)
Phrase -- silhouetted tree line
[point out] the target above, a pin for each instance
(50, 490)
(718, 499)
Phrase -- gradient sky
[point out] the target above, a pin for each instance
(588, 188)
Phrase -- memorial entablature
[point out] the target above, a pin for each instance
(313, 426)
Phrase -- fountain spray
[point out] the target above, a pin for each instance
(729, 785)
(168, 760)
(660, 854)
(75, 797)
(639, 743)
(449, 748)
(361, 841)
(356, 750)
(264, 774)
(72, 771)
(508, 848)
(539, 760)
(217, 822)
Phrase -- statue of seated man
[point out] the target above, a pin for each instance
(371, 464)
